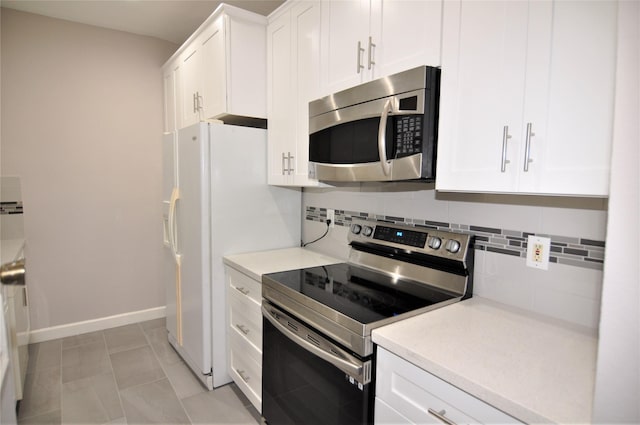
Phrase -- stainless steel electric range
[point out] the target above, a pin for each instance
(318, 357)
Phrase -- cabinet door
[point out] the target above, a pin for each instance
(190, 77)
(213, 73)
(569, 97)
(345, 31)
(305, 21)
(281, 131)
(406, 34)
(482, 94)
(169, 100)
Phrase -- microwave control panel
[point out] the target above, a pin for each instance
(408, 135)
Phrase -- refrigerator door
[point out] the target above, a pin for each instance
(193, 248)
(169, 267)
(246, 215)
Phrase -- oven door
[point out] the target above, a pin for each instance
(308, 379)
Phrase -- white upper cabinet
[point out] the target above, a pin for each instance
(170, 76)
(293, 79)
(526, 102)
(281, 127)
(369, 39)
(221, 66)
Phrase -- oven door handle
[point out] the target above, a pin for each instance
(357, 371)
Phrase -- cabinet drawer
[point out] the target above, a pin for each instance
(245, 318)
(246, 369)
(388, 415)
(243, 284)
(412, 392)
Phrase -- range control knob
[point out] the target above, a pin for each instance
(434, 242)
(355, 228)
(453, 246)
(367, 230)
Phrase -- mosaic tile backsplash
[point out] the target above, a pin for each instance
(10, 207)
(572, 251)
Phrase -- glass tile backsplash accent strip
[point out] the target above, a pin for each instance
(572, 251)
(10, 207)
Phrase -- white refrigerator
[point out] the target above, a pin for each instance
(216, 202)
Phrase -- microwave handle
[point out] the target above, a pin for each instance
(382, 138)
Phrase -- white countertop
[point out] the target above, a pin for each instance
(11, 250)
(532, 368)
(255, 264)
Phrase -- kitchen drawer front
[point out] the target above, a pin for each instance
(245, 318)
(245, 367)
(244, 285)
(412, 391)
(386, 414)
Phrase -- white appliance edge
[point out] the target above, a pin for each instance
(224, 207)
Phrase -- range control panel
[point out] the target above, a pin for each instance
(429, 241)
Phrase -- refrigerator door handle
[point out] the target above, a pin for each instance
(175, 195)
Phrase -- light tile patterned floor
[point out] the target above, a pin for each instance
(125, 375)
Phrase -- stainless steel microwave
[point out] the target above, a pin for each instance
(383, 130)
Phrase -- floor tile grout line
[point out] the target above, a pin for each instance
(113, 373)
(162, 366)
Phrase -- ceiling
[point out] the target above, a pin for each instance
(171, 20)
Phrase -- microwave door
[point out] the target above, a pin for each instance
(374, 132)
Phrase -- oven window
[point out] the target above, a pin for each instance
(300, 388)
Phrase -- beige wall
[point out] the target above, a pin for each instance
(81, 126)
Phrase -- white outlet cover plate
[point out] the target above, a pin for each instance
(545, 246)
(331, 215)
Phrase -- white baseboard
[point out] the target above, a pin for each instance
(77, 328)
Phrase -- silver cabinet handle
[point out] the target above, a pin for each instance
(242, 375)
(360, 51)
(242, 290)
(382, 138)
(441, 416)
(194, 103)
(283, 169)
(289, 158)
(371, 47)
(505, 137)
(243, 329)
(527, 149)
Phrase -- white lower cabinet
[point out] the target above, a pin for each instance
(18, 326)
(244, 296)
(406, 394)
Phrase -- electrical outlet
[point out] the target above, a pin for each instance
(331, 215)
(538, 250)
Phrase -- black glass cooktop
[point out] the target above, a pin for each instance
(363, 295)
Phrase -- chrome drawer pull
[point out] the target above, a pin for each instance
(243, 329)
(242, 375)
(441, 416)
(242, 290)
